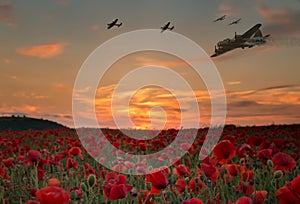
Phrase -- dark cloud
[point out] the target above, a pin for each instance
(266, 89)
(56, 116)
(276, 87)
(246, 103)
(241, 109)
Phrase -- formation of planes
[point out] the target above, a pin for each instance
(115, 23)
(250, 38)
(223, 18)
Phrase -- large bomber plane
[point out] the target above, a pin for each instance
(249, 39)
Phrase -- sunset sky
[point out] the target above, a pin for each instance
(44, 44)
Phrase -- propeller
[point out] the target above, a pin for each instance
(235, 36)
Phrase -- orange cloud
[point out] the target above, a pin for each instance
(279, 104)
(6, 109)
(62, 86)
(30, 95)
(8, 76)
(146, 61)
(234, 82)
(43, 51)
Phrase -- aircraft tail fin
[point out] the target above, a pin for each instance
(172, 28)
(120, 24)
(258, 33)
(266, 36)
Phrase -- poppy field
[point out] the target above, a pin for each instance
(248, 165)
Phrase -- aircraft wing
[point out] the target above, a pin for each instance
(110, 25)
(251, 31)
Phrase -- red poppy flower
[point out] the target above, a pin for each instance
(116, 191)
(283, 162)
(74, 151)
(258, 197)
(9, 162)
(210, 171)
(295, 186)
(121, 178)
(244, 200)
(53, 194)
(180, 185)
(53, 182)
(247, 175)
(243, 150)
(116, 188)
(3, 172)
(110, 175)
(33, 192)
(159, 179)
(33, 155)
(286, 196)
(245, 188)
(181, 171)
(265, 155)
(196, 184)
(20, 159)
(224, 151)
(71, 163)
(255, 140)
(41, 173)
(234, 169)
(192, 201)
(279, 142)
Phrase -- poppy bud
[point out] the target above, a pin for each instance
(209, 183)
(270, 163)
(148, 186)
(83, 187)
(91, 180)
(152, 198)
(169, 195)
(142, 194)
(73, 195)
(278, 174)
